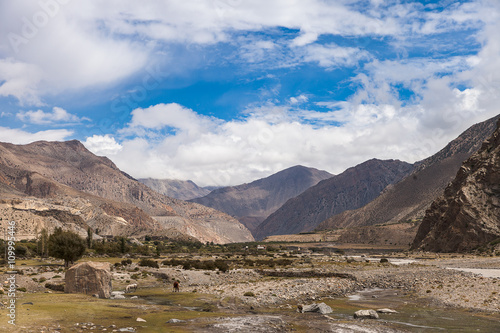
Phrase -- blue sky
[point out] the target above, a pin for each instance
(227, 91)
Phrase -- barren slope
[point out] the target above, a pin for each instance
(71, 164)
(252, 203)
(468, 214)
(352, 189)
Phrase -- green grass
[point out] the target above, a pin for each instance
(68, 309)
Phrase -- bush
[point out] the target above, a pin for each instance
(221, 265)
(249, 294)
(126, 262)
(384, 260)
(149, 263)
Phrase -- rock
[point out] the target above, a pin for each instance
(386, 311)
(175, 321)
(89, 278)
(366, 314)
(321, 308)
(134, 297)
(126, 329)
(141, 320)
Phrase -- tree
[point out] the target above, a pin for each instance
(66, 245)
(89, 238)
(123, 245)
(42, 243)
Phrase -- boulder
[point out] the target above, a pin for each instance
(175, 321)
(366, 314)
(321, 308)
(89, 278)
(386, 311)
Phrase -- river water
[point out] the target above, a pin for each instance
(414, 316)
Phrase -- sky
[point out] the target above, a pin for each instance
(223, 92)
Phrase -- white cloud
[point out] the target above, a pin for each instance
(18, 136)
(299, 99)
(172, 115)
(332, 55)
(69, 46)
(270, 139)
(102, 145)
(20, 80)
(58, 115)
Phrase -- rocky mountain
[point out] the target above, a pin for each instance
(411, 197)
(252, 203)
(63, 171)
(179, 189)
(352, 189)
(467, 216)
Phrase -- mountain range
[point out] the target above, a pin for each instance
(411, 197)
(66, 179)
(351, 189)
(252, 203)
(52, 184)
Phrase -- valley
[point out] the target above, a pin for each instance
(261, 291)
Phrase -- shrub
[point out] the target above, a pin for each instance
(221, 265)
(126, 262)
(149, 263)
(384, 260)
(249, 294)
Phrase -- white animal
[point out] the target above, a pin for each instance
(131, 287)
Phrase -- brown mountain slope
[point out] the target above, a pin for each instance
(178, 189)
(468, 214)
(35, 202)
(411, 197)
(353, 188)
(252, 203)
(71, 164)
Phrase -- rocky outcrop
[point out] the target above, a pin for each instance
(467, 216)
(352, 189)
(89, 278)
(252, 203)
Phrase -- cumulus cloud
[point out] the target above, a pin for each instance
(58, 115)
(18, 136)
(216, 152)
(20, 79)
(60, 46)
(102, 145)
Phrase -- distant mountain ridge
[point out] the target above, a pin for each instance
(411, 197)
(351, 189)
(178, 189)
(252, 203)
(50, 169)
